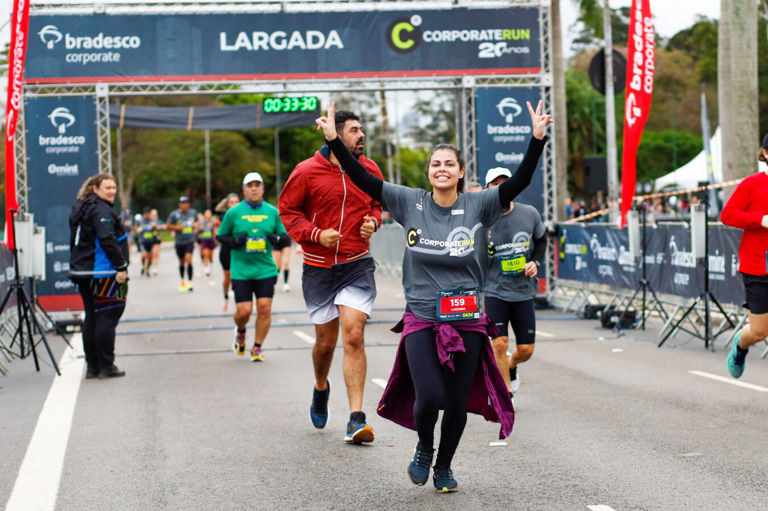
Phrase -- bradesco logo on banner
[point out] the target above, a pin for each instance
(61, 147)
(284, 45)
(503, 132)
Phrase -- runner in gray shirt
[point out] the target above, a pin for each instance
(182, 222)
(445, 334)
(516, 248)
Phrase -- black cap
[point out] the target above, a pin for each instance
(184, 198)
(147, 209)
(765, 141)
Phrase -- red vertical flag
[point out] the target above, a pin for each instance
(18, 49)
(640, 68)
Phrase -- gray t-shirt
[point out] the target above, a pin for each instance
(510, 246)
(187, 221)
(445, 247)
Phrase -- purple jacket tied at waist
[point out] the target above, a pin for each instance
(487, 397)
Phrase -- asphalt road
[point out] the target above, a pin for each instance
(601, 421)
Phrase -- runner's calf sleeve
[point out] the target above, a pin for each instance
(181, 271)
(285, 276)
(189, 271)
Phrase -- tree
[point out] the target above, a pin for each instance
(737, 90)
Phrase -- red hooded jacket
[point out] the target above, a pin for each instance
(319, 195)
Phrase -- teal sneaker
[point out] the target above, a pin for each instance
(444, 481)
(736, 367)
(418, 469)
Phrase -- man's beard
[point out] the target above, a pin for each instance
(357, 150)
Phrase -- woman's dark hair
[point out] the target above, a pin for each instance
(87, 189)
(459, 159)
(760, 155)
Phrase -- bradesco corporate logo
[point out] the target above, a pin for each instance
(404, 35)
(84, 49)
(61, 119)
(505, 130)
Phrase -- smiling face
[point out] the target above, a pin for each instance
(232, 201)
(106, 190)
(445, 170)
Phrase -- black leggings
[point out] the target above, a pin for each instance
(436, 386)
(101, 319)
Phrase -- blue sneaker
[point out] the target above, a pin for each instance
(318, 411)
(444, 481)
(418, 469)
(357, 430)
(734, 367)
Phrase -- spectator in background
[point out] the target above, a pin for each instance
(568, 208)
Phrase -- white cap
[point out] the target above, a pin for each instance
(496, 172)
(252, 176)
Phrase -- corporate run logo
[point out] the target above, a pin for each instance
(61, 118)
(459, 242)
(404, 35)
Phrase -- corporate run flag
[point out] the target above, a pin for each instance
(640, 67)
(17, 51)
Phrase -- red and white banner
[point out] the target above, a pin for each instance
(18, 50)
(641, 59)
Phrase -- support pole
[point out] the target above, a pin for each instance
(610, 117)
(208, 169)
(278, 175)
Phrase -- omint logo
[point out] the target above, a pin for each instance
(50, 35)
(61, 118)
(509, 109)
(404, 34)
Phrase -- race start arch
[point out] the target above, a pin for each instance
(494, 54)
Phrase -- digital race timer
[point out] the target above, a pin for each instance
(295, 104)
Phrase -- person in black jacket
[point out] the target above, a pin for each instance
(98, 265)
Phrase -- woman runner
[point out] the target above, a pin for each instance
(444, 333)
(206, 227)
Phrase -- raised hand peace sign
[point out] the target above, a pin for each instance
(328, 123)
(539, 121)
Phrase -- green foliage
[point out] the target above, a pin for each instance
(413, 167)
(591, 33)
(438, 119)
(661, 152)
(699, 43)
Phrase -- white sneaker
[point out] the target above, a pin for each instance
(514, 383)
(286, 287)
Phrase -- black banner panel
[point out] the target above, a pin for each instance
(269, 46)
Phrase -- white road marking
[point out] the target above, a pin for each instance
(37, 483)
(617, 350)
(730, 381)
(600, 507)
(304, 337)
(500, 443)
(544, 334)
(380, 382)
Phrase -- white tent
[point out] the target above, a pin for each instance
(689, 175)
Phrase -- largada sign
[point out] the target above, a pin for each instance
(461, 41)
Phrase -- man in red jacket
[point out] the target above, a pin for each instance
(333, 220)
(747, 209)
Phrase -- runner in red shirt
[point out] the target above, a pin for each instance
(747, 209)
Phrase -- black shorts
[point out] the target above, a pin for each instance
(521, 315)
(285, 242)
(146, 245)
(756, 290)
(224, 256)
(245, 289)
(186, 248)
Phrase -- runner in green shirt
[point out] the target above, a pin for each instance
(250, 229)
